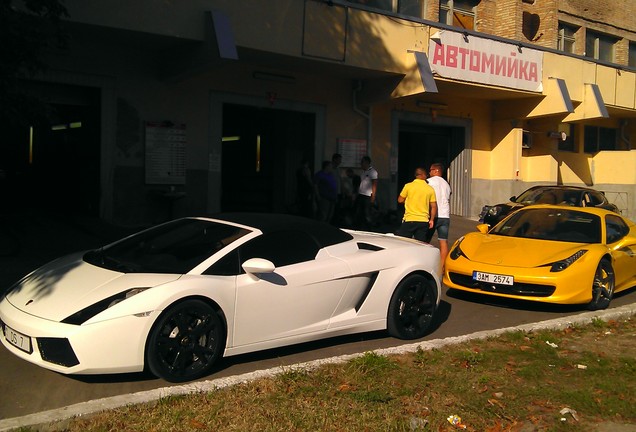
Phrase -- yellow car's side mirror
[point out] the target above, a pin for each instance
(483, 228)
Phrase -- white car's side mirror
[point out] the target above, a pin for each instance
(258, 265)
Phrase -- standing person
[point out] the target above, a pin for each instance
(366, 193)
(442, 221)
(350, 186)
(305, 190)
(336, 160)
(420, 207)
(326, 193)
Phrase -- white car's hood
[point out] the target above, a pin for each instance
(67, 285)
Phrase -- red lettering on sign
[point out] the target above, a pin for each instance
(459, 57)
(451, 56)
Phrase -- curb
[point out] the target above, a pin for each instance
(52, 420)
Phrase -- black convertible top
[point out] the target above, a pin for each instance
(322, 232)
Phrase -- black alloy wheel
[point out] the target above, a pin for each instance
(185, 342)
(602, 286)
(412, 307)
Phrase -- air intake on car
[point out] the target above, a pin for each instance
(57, 351)
(369, 247)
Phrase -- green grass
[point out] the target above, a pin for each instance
(518, 381)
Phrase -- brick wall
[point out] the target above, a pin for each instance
(616, 18)
(537, 21)
(618, 14)
(530, 21)
(545, 11)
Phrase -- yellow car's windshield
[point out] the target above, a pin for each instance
(552, 224)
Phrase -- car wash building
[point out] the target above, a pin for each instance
(162, 109)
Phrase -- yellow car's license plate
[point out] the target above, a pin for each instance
(493, 278)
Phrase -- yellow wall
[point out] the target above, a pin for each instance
(505, 155)
(541, 168)
(626, 89)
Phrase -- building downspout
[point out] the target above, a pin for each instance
(624, 136)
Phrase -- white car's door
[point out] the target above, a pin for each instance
(297, 298)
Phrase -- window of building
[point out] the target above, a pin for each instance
(565, 38)
(599, 46)
(458, 13)
(414, 8)
(568, 143)
(632, 54)
(599, 138)
(411, 7)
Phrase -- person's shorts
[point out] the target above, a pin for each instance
(441, 226)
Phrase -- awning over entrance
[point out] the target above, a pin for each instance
(556, 101)
(426, 74)
(591, 107)
(418, 79)
(219, 46)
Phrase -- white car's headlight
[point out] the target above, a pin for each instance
(80, 317)
(561, 265)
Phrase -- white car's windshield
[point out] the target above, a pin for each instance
(174, 247)
(552, 224)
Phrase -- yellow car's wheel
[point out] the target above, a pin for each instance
(603, 286)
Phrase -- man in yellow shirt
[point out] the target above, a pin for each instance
(420, 207)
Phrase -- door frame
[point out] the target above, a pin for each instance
(215, 157)
(460, 168)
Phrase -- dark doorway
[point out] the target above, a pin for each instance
(53, 164)
(262, 148)
(421, 145)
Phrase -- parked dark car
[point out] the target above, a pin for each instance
(569, 195)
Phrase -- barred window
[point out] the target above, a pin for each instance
(565, 39)
(599, 138)
(599, 46)
(458, 13)
(568, 143)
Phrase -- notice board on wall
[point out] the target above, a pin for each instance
(165, 153)
(352, 150)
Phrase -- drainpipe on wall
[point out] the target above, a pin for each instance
(624, 136)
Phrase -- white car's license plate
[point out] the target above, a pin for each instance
(493, 278)
(17, 339)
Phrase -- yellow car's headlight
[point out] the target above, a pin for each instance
(456, 251)
(561, 265)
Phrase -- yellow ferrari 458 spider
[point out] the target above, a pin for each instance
(545, 253)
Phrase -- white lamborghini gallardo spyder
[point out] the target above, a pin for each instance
(174, 298)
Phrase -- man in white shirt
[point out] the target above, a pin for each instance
(442, 222)
(366, 193)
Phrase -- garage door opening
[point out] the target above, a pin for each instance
(261, 151)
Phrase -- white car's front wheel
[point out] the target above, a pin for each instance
(185, 342)
(412, 307)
